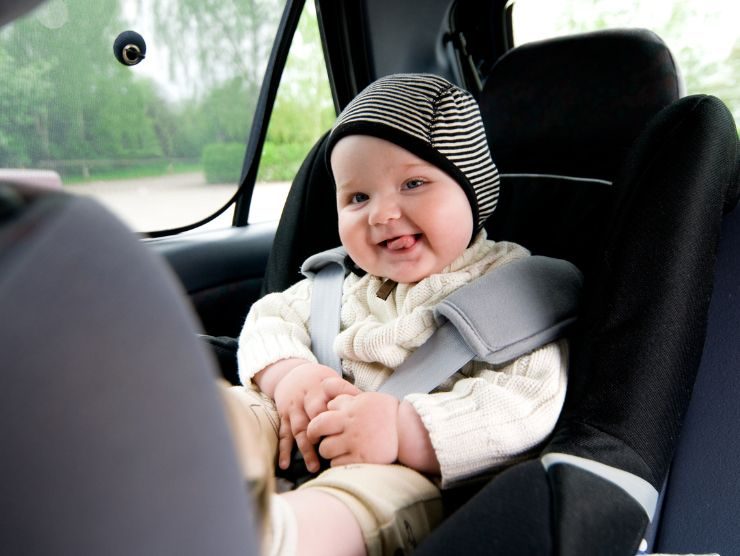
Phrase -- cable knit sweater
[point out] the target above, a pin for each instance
(482, 417)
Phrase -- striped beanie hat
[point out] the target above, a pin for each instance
(433, 119)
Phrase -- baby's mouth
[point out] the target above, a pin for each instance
(401, 242)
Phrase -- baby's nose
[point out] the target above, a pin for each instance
(383, 210)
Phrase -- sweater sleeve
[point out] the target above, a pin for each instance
(490, 415)
(276, 328)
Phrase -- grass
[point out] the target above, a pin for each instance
(133, 172)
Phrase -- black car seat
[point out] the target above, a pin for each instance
(637, 201)
(603, 165)
(113, 437)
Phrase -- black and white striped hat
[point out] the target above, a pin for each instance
(433, 119)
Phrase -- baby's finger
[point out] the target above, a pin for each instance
(332, 447)
(339, 402)
(298, 421)
(326, 424)
(285, 443)
(335, 386)
(307, 450)
(315, 403)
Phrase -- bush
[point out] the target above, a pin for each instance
(280, 161)
(222, 162)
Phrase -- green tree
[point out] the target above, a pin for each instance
(23, 111)
(221, 69)
(85, 105)
(303, 108)
(213, 41)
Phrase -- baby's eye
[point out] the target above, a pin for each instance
(358, 198)
(413, 183)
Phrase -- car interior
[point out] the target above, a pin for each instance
(605, 162)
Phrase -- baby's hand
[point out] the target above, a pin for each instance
(299, 397)
(357, 429)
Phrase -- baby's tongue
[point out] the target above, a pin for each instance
(401, 242)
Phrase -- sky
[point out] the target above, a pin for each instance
(713, 26)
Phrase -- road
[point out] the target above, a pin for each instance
(162, 202)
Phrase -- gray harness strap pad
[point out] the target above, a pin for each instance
(500, 316)
(516, 308)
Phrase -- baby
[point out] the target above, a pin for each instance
(415, 183)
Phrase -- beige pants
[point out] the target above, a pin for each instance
(395, 506)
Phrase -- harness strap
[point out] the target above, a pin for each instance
(328, 271)
(437, 359)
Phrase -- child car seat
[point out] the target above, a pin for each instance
(638, 210)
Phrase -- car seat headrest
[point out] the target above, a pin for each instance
(573, 105)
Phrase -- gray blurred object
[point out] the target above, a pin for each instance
(113, 436)
(11, 9)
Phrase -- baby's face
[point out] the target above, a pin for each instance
(400, 217)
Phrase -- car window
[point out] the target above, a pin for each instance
(161, 142)
(303, 111)
(703, 35)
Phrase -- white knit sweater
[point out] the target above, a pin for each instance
(482, 417)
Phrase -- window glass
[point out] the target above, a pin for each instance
(303, 111)
(161, 142)
(703, 35)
